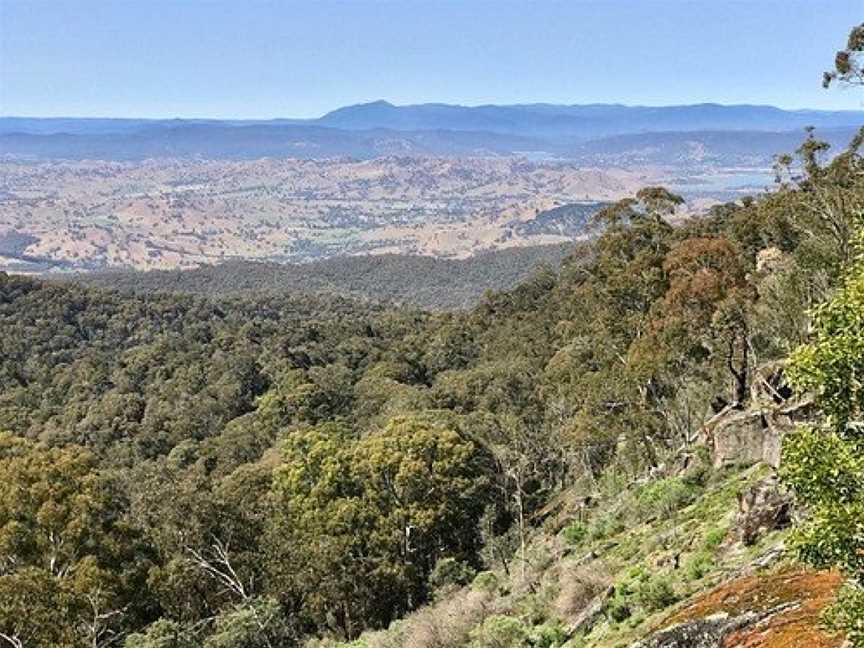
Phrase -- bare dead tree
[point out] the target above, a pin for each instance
(98, 627)
(215, 562)
(13, 640)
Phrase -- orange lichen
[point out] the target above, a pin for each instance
(797, 626)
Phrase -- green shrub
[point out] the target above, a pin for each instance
(623, 601)
(636, 620)
(450, 572)
(640, 590)
(665, 497)
(575, 533)
(485, 581)
(548, 635)
(328, 643)
(606, 526)
(714, 538)
(258, 623)
(161, 634)
(535, 608)
(655, 593)
(700, 469)
(618, 609)
(539, 557)
(499, 631)
(698, 565)
(846, 613)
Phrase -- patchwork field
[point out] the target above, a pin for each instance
(183, 213)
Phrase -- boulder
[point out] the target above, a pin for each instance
(738, 435)
(761, 508)
(591, 614)
(704, 633)
(709, 632)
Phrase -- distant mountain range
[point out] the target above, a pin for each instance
(582, 121)
(597, 133)
(218, 140)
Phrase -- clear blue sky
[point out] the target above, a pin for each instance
(260, 59)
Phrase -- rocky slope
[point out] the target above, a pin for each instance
(691, 556)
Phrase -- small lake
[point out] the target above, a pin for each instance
(724, 182)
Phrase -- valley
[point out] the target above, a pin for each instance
(432, 180)
(174, 214)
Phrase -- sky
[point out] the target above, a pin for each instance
(266, 59)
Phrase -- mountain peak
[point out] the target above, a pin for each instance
(361, 108)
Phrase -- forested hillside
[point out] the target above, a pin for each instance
(271, 471)
(424, 281)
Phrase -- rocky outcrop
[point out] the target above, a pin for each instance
(780, 607)
(737, 435)
(763, 507)
(591, 614)
(742, 437)
(710, 632)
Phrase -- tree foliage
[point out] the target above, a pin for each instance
(824, 464)
(848, 67)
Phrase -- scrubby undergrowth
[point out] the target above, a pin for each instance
(659, 553)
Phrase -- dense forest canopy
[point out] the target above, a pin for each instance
(424, 281)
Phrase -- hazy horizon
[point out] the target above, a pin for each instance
(427, 103)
